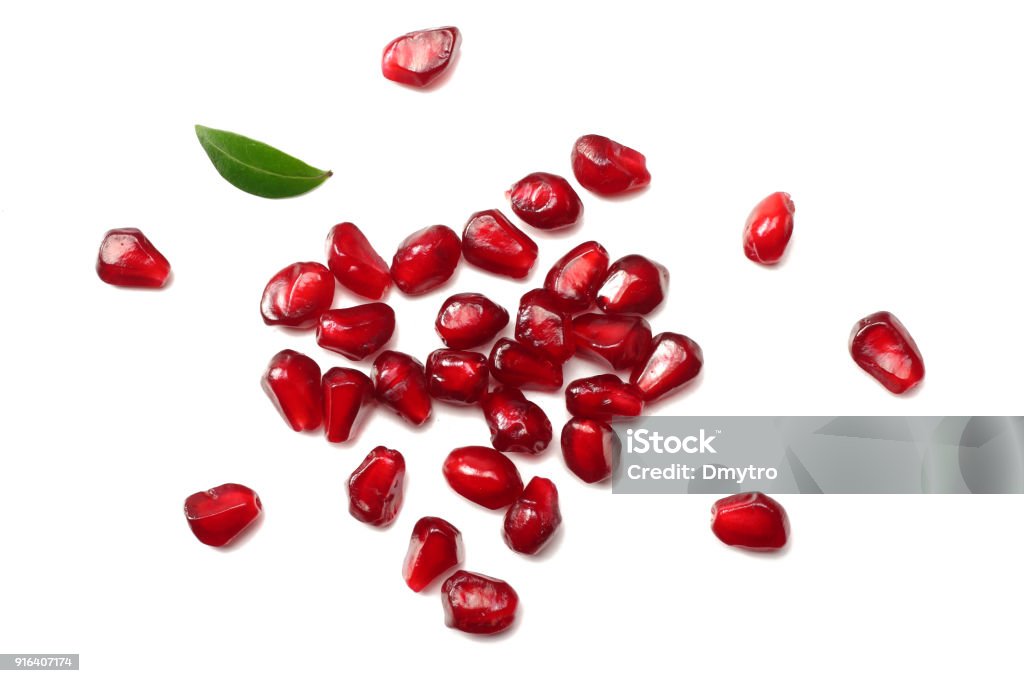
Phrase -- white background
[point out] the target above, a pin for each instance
(896, 128)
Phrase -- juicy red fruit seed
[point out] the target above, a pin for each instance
(292, 381)
(517, 425)
(483, 475)
(590, 449)
(358, 331)
(674, 360)
(492, 243)
(468, 320)
(399, 383)
(420, 57)
(458, 377)
(297, 295)
(355, 263)
(517, 365)
(434, 548)
(883, 348)
(128, 259)
(619, 340)
(576, 277)
(546, 201)
(475, 603)
(607, 168)
(219, 515)
(768, 229)
(543, 325)
(426, 259)
(603, 397)
(346, 391)
(750, 520)
(376, 488)
(534, 518)
(634, 284)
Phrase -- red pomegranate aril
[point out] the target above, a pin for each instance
(603, 397)
(479, 604)
(546, 201)
(292, 381)
(534, 518)
(542, 324)
(576, 277)
(768, 229)
(634, 284)
(458, 377)
(217, 516)
(358, 331)
(750, 520)
(590, 448)
(492, 243)
(434, 548)
(376, 489)
(355, 263)
(426, 259)
(468, 320)
(399, 383)
(346, 392)
(620, 340)
(128, 259)
(608, 168)
(520, 366)
(883, 348)
(517, 425)
(420, 57)
(484, 476)
(297, 295)
(674, 360)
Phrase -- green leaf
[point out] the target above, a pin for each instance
(257, 168)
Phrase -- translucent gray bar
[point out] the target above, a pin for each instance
(9, 662)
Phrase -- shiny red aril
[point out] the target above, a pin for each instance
(376, 488)
(533, 519)
(434, 548)
(491, 242)
(346, 392)
(634, 284)
(517, 365)
(475, 603)
(576, 277)
(468, 320)
(458, 377)
(483, 475)
(590, 448)
(883, 348)
(673, 360)
(603, 397)
(128, 259)
(546, 201)
(355, 263)
(420, 57)
(620, 340)
(768, 229)
(608, 168)
(543, 325)
(426, 259)
(399, 383)
(292, 381)
(358, 331)
(517, 424)
(750, 520)
(219, 515)
(297, 295)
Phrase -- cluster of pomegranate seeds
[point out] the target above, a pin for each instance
(377, 487)
(492, 243)
(517, 424)
(533, 518)
(219, 515)
(458, 377)
(750, 520)
(420, 57)
(590, 449)
(479, 604)
(607, 168)
(483, 475)
(128, 259)
(545, 201)
(356, 332)
(469, 320)
(435, 547)
(346, 391)
(292, 381)
(768, 229)
(298, 295)
(355, 263)
(426, 259)
(399, 383)
(881, 345)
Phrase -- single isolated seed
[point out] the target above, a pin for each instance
(458, 377)
(534, 518)
(475, 603)
(483, 475)
(673, 360)
(426, 259)
(468, 320)
(298, 295)
(590, 448)
(607, 168)
(434, 548)
(576, 277)
(634, 284)
(358, 331)
(492, 243)
(520, 366)
(377, 487)
(346, 392)
(621, 341)
(883, 348)
(545, 201)
(517, 425)
(128, 259)
(543, 325)
(420, 57)
(217, 516)
(768, 229)
(355, 263)
(603, 397)
(292, 382)
(750, 520)
(400, 384)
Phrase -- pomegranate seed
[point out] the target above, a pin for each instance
(483, 475)
(435, 547)
(544, 326)
(292, 381)
(520, 366)
(590, 448)
(576, 277)
(297, 295)
(457, 376)
(517, 425)
(219, 515)
(478, 604)
(768, 229)
(468, 320)
(603, 397)
(607, 168)
(356, 332)
(426, 259)
(546, 201)
(534, 518)
(620, 340)
(128, 259)
(674, 359)
(399, 383)
(883, 348)
(356, 264)
(750, 520)
(346, 392)
(376, 488)
(634, 284)
(492, 243)
(420, 57)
